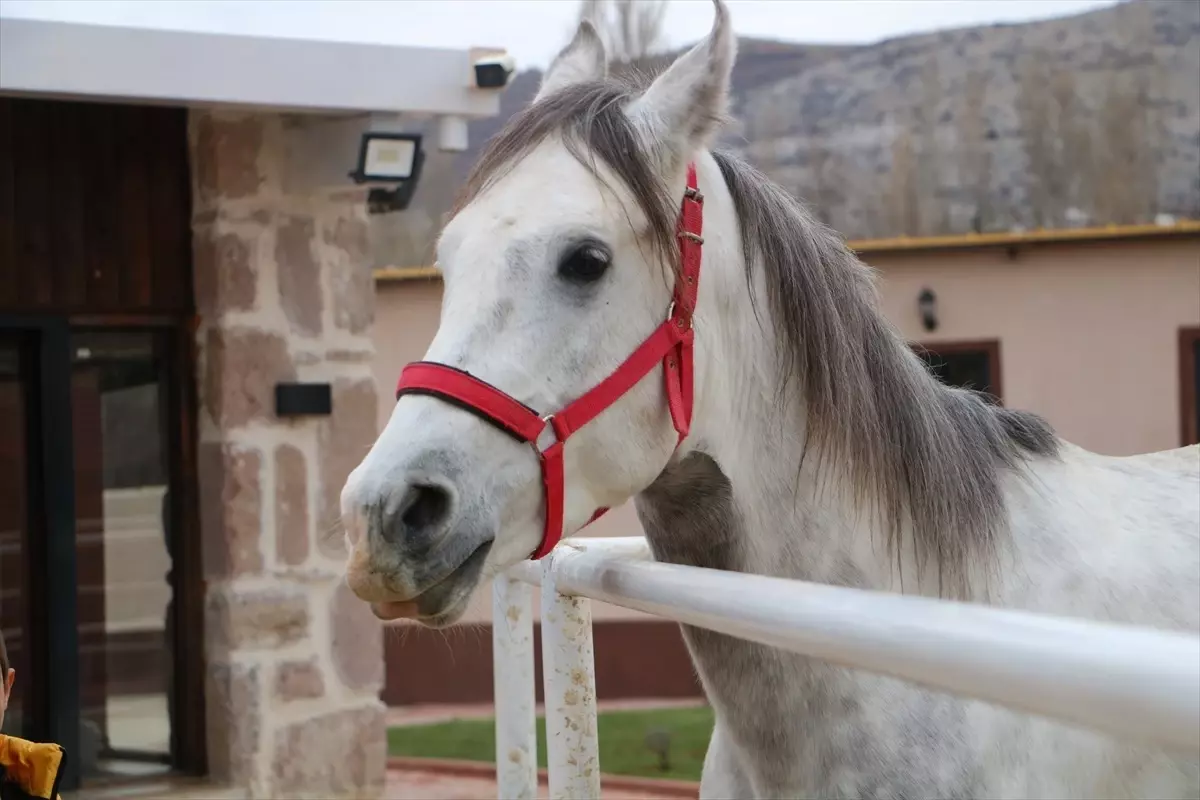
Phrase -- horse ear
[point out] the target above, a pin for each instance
(583, 59)
(688, 102)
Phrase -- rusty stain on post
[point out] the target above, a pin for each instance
(513, 678)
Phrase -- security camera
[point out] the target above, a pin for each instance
(494, 72)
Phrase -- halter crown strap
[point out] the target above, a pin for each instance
(671, 344)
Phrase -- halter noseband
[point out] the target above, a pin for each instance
(671, 343)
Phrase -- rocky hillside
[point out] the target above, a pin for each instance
(1082, 120)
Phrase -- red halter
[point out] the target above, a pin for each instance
(671, 344)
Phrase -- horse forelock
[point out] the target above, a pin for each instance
(590, 118)
(918, 454)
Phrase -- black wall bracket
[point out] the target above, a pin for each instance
(303, 399)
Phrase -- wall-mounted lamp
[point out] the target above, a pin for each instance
(927, 305)
(393, 160)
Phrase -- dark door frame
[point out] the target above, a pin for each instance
(52, 615)
(51, 620)
(1189, 425)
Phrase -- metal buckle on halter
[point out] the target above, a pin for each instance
(548, 419)
(685, 323)
(693, 194)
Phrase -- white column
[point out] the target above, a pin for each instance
(568, 665)
(512, 675)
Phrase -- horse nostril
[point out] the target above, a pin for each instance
(424, 508)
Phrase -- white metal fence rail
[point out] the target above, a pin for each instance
(1126, 681)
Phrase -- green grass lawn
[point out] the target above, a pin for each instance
(622, 741)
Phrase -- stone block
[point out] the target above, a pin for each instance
(223, 272)
(341, 754)
(357, 647)
(349, 356)
(348, 232)
(292, 532)
(299, 680)
(298, 273)
(230, 510)
(250, 619)
(225, 156)
(233, 719)
(241, 367)
(352, 285)
(343, 439)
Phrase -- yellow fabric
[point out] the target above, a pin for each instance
(31, 765)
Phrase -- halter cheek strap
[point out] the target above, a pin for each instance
(671, 344)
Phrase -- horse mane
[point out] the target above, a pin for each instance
(914, 451)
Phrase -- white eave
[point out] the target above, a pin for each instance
(68, 59)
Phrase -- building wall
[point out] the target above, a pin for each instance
(284, 293)
(1088, 338)
(1089, 332)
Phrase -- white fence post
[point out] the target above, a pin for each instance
(513, 678)
(568, 666)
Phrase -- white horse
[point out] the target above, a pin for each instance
(820, 449)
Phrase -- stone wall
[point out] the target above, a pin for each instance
(284, 292)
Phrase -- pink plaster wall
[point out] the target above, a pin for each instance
(1089, 333)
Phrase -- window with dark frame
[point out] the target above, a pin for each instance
(966, 365)
(1189, 385)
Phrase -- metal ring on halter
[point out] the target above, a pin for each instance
(548, 419)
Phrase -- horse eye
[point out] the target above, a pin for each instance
(584, 264)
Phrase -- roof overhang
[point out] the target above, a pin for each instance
(1010, 239)
(82, 61)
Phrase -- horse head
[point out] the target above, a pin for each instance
(561, 259)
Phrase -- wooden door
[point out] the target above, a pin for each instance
(14, 521)
(95, 234)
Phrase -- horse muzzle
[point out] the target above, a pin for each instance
(437, 597)
(414, 552)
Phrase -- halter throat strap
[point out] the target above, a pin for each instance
(671, 345)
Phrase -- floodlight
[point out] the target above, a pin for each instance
(388, 157)
(393, 160)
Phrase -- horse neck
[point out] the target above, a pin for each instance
(740, 495)
(743, 499)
